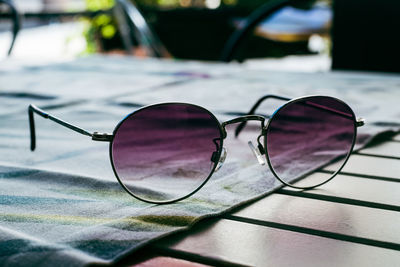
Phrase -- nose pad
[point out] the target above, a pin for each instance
(220, 160)
(256, 151)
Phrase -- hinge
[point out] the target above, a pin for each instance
(105, 137)
(360, 122)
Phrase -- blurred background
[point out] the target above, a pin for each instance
(308, 35)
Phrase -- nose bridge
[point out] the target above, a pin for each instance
(243, 119)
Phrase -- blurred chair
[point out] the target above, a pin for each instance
(138, 27)
(132, 25)
(15, 21)
(366, 35)
(264, 12)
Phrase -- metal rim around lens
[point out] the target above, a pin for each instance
(308, 173)
(157, 105)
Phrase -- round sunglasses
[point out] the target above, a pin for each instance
(166, 152)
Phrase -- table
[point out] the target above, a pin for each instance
(352, 220)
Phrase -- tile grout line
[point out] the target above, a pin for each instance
(342, 200)
(375, 155)
(321, 233)
(366, 176)
(183, 255)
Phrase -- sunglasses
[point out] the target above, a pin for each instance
(166, 152)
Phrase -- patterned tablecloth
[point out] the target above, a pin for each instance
(62, 203)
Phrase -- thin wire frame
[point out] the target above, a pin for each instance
(221, 131)
(303, 98)
(221, 126)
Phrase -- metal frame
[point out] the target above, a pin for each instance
(221, 130)
(253, 109)
(263, 148)
(96, 136)
(357, 122)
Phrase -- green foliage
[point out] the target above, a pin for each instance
(94, 5)
(157, 4)
(100, 27)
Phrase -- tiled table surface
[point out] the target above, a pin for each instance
(352, 221)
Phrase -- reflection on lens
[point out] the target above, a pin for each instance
(165, 152)
(308, 134)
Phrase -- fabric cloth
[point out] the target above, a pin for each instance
(62, 204)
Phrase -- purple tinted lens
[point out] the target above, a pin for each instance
(164, 152)
(307, 134)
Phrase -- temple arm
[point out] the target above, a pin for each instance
(33, 109)
(239, 128)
